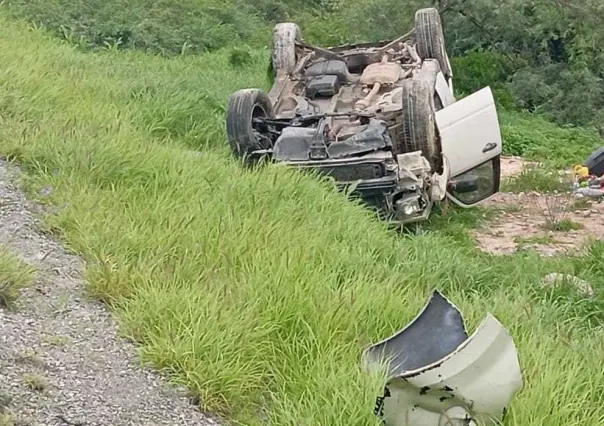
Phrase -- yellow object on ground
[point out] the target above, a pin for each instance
(580, 171)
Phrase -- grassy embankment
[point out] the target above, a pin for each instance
(260, 289)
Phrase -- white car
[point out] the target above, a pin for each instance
(381, 117)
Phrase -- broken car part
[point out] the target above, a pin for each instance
(438, 375)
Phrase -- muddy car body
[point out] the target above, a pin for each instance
(379, 116)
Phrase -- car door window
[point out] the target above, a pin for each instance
(476, 185)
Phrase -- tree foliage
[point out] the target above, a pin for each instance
(544, 56)
(555, 48)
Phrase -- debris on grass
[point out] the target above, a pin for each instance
(554, 279)
(589, 177)
(589, 187)
(429, 358)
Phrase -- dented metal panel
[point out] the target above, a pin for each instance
(437, 372)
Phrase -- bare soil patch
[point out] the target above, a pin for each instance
(524, 221)
(513, 166)
(522, 225)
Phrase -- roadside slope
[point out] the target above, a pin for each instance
(256, 289)
(61, 359)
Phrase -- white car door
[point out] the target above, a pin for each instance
(471, 145)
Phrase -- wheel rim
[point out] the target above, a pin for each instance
(258, 112)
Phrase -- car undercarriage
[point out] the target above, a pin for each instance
(363, 114)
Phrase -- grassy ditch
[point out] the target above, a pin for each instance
(259, 289)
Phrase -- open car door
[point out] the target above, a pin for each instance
(471, 145)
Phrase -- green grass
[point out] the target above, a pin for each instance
(535, 240)
(35, 381)
(196, 26)
(14, 275)
(565, 225)
(535, 138)
(260, 288)
(541, 179)
(6, 420)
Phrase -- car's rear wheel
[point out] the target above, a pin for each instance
(430, 38)
(243, 134)
(284, 55)
(418, 128)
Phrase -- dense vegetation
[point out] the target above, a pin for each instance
(543, 56)
(259, 288)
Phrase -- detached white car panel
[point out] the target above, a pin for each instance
(469, 131)
(438, 372)
(483, 375)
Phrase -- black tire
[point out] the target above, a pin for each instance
(284, 55)
(418, 128)
(430, 38)
(243, 106)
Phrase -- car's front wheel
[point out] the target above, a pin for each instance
(243, 133)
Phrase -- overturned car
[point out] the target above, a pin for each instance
(381, 117)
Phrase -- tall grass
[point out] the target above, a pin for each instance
(259, 289)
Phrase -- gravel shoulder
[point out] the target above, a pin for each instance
(61, 359)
